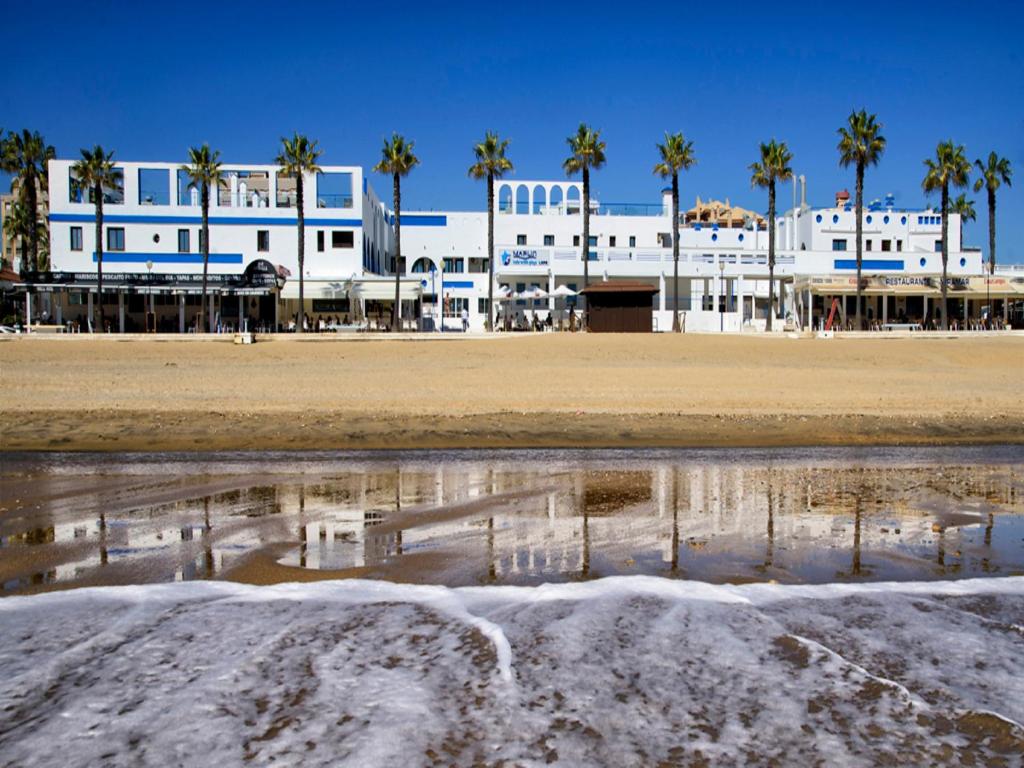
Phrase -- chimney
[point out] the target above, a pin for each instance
(842, 198)
(803, 192)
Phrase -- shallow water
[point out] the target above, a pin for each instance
(512, 517)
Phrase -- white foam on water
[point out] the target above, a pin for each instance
(619, 671)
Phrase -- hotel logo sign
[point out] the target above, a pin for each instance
(527, 257)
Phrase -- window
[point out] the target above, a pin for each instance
(611, 241)
(453, 264)
(201, 239)
(342, 238)
(287, 191)
(869, 218)
(868, 246)
(334, 190)
(320, 240)
(576, 240)
(184, 246)
(520, 239)
(263, 240)
(115, 239)
(899, 245)
(549, 239)
(665, 239)
(592, 239)
(938, 246)
(76, 238)
(481, 306)
(818, 218)
(887, 245)
(839, 245)
(154, 186)
(112, 194)
(632, 241)
(188, 193)
(835, 220)
(244, 189)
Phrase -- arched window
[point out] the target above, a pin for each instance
(540, 198)
(422, 264)
(522, 199)
(505, 199)
(556, 198)
(572, 200)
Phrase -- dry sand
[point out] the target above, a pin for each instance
(514, 391)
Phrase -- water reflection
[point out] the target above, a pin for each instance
(520, 518)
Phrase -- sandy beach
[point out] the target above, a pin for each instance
(516, 391)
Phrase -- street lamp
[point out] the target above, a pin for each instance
(721, 290)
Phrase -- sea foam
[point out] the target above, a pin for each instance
(617, 671)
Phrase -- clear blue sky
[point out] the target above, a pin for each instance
(147, 80)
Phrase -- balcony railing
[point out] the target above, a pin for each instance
(254, 199)
(334, 201)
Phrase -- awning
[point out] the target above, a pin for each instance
(911, 285)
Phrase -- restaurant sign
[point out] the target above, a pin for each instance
(526, 257)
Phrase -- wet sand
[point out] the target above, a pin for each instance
(546, 390)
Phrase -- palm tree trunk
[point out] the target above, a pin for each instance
(98, 192)
(586, 244)
(490, 251)
(205, 313)
(33, 213)
(675, 253)
(860, 240)
(396, 324)
(944, 320)
(302, 251)
(771, 254)
(991, 232)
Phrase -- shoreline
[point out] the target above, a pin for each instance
(134, 431)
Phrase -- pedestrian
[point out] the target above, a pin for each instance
(465, 320)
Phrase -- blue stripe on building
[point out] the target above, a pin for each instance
(409, 220)
(88, 218)
(118, 257)
(458, 283)
(869, 264)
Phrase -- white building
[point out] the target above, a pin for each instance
(152, 258)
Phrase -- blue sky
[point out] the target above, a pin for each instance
(148, 80)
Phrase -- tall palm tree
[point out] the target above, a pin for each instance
(397, 159)
(94, 171)
(587, 152)
(676, 155)
(994, 172)
(298, 157)
(860, 144)
(773, 166)
(950, 167)
(203, 170)
(490, 164)
(965, 208)
(25, 155)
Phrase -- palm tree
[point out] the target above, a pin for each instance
(774, 166)
(397, 159)
(94, 171)
(490, 164)
(25, 155)
(204, 172)
(961, 205)
(860, 145)
(587, 152)
(18, 224)
(994, 172)
(676, 155)
(298, 157)
(949, 168)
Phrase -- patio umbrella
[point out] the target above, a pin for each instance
(562, 291)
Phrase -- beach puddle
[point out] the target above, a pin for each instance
(512, 517)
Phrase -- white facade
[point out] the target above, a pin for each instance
(152, 224)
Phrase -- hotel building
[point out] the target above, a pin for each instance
(153, 262)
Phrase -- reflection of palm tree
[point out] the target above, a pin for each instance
(675, 521)
(302, 527)
(986, 564)
(207, 538)
(855, 567)
(103, 539)
(769, 547)
(585, 572)
(492, 568)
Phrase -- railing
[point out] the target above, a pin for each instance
(228, 199)
(334, 201)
